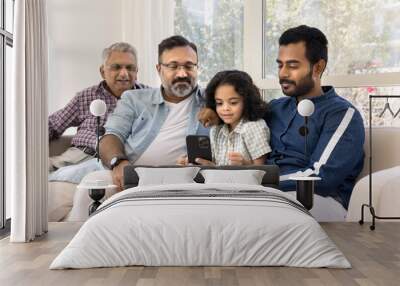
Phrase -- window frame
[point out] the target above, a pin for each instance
(254, 56)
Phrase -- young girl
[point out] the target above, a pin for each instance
(242, 136)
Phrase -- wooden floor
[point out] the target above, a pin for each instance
(374, 255)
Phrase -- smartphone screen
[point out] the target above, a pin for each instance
(198, 146)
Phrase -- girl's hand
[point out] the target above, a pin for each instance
(235, 158)
(204, 162)
(208, 117)
(182, 160)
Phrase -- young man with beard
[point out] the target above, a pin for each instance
(149, 127)
(335, 130)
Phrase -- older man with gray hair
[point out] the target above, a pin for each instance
(119, 72)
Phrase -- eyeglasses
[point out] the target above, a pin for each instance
(118, 67)
(189, 67)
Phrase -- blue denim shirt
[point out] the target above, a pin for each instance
(139, 115)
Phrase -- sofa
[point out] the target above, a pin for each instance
(385, 168)
(385, 176)
(61, 194)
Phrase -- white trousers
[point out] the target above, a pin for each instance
(325, 208)
(71, 156)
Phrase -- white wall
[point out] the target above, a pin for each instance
(78, 32)
(146, 32)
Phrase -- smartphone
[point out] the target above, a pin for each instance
(198, 146)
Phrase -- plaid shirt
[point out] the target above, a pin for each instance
(77, 114)
(249, 138)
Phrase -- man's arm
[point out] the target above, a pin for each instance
(111, 146)
(64, 118)
(338, 154)
(118, 129)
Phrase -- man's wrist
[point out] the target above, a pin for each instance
(116, 160)
(122, 165)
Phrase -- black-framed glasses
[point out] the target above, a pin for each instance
(175, 66)
(118, 67)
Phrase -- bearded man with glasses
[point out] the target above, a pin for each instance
(149, 127)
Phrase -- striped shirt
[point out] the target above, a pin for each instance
(249, 138)
(77, 114)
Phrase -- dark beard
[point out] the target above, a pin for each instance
(305, 85)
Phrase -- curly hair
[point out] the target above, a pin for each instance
(254, 106)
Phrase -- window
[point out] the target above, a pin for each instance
(364, 45)
(359, 96)
(6, 43)
(216, 27)
(363, 35)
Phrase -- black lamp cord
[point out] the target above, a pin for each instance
(305, 135)
(98, 135)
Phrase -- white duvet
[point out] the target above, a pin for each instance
(225, 225)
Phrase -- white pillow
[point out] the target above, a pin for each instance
(248, 177)
(166, 176)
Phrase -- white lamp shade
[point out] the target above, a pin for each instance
(98, 107)
(306, 107)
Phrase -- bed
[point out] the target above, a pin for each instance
(164, 219)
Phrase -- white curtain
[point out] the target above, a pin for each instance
(145, 24)
(28, 151)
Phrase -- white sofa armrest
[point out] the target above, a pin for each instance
(385, 195)
(385, 149)
(60, 198)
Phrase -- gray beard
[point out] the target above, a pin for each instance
(180, 91)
